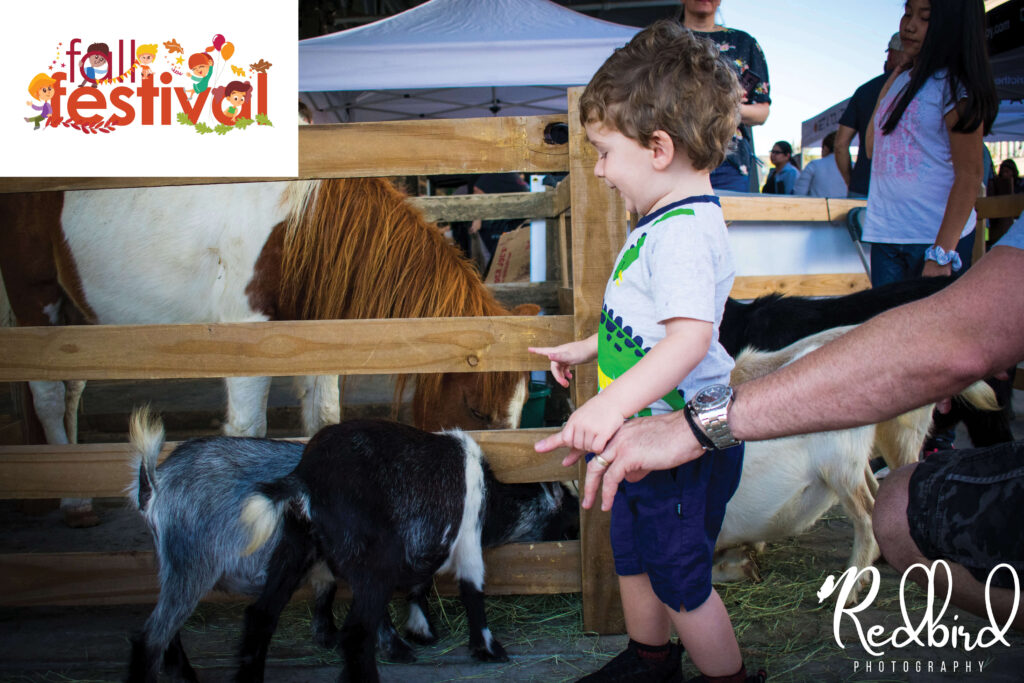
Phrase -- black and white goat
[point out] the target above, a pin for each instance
(385, 506)
(192, 503)
(774, 321)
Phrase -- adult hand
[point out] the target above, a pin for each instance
(639, 446)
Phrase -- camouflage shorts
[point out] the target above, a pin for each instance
(964, 506)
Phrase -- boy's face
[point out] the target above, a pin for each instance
(146, 59)
(624, 165)
(45, 94)
(201, 70)
(97, 60)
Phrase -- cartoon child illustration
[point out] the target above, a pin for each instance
(145, 54)
(98, 67)
(201, 66)
(41, 88)
(236, 93)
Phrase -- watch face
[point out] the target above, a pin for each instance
(713, 396)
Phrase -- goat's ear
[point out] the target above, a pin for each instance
(526, 309)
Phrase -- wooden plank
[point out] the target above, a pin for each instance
(431, 147)
(468, 207)
(598, 231)
(278, 348)
(511, 294)
(833, 284)
(98, 578)
(774, 208)
(839, 208)
(348, 150)
(563, 197)
(104, 470)
(1000, 206)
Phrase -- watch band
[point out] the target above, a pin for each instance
(702, 438)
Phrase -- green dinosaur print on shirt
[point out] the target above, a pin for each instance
(618, 349)
(630, 257)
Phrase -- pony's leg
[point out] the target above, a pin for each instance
(72, 397)
(49, 400)
(247, 406)
(320, 402)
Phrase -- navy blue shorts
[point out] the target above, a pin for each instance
(666, 525)
(964, 506)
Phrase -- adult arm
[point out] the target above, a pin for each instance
(844, 136)
(968, 168)
(909, 356)
(754, 114)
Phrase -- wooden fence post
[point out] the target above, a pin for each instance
(598, 231)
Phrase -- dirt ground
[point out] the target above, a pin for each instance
(780, 624)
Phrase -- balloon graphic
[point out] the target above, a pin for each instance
(227, 50)
(218, 40)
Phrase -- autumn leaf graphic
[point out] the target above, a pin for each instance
(238, 72)
(261, 66)
(173, 46)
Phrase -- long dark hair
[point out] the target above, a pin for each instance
(955, 41)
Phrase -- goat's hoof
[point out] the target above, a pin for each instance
(80, 517)
(398, 654)
(326, 639)
(421, 638)
(495, 654)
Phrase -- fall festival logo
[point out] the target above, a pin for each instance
(97, 87)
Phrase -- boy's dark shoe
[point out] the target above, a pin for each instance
(738, 677)
(632, 665)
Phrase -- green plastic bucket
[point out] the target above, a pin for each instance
(533, 411)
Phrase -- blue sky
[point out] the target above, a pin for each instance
(818, 52)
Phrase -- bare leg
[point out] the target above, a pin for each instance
(707, 634)
(892, 530)
(647, 620)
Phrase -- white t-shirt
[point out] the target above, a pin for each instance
(821, 178)
(676, 263)
(912, 168)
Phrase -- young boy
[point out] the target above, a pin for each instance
(146, 55)
(661, 113)
(98, 67)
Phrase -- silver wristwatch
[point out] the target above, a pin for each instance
(709, 408)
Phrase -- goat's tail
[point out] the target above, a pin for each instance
(981, 396)
(146, 431)
(262, 512)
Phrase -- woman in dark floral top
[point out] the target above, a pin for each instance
(739, 171)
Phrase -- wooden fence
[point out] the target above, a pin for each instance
(588, 244)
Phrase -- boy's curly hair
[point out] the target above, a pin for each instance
(668, 79)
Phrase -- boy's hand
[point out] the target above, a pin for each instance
(588, 429)
(564, 357)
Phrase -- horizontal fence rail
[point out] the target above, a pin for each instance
(343, 347)
(129, 577)
(104, 470)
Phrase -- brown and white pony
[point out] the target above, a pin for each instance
(243, 252)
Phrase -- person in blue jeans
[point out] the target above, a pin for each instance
(925, 144)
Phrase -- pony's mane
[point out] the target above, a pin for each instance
(354, 248)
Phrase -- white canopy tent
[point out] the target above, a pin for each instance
(455, 59)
